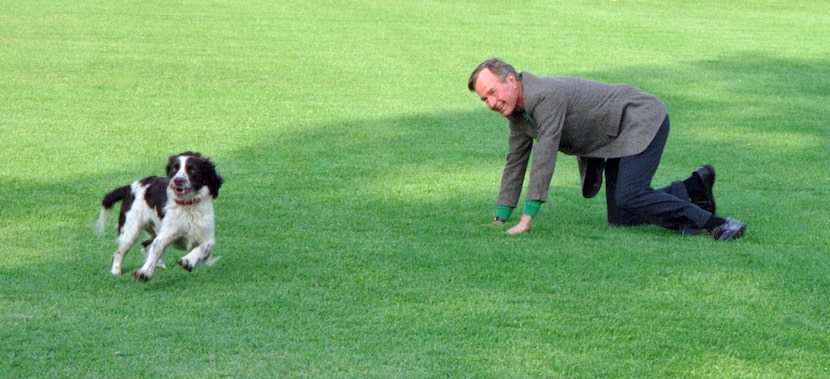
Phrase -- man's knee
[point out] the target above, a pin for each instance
(629, 201)
(620, 217)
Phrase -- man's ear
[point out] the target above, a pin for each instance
(511, 79)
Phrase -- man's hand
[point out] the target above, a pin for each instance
(522, 227)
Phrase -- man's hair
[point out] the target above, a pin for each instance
(498, 67)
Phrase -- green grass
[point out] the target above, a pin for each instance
(361, 176)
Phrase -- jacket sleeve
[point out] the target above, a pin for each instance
(550, 119)
(544, 157)
(515, 167)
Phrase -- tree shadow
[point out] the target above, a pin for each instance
(393, 173)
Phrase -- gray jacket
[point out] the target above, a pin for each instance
(577, 117)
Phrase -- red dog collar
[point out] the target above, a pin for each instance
(187, 202)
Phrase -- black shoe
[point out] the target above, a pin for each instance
(729, 230)
(705, 199)
(590, 171)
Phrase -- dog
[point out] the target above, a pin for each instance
(176, 210)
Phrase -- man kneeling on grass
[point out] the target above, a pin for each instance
(614, 127)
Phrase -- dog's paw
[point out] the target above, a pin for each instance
(141, 276)
(116, 272)
(185, 264)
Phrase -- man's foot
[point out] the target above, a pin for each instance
(729, 230)
(522, 227)
(705, 199)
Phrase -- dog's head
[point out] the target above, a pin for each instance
(188, 172)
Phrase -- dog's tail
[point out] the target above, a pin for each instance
(110, 199)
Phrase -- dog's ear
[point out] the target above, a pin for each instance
(215, 183)
(170, 162)
(214, 180)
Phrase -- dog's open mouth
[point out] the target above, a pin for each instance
(181, 191)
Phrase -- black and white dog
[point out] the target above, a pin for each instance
(175, 210)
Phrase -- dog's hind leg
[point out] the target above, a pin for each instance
(125, 240)
(198, 256)
(117, 261)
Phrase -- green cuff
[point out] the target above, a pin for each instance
(532, 207)
(503, 212)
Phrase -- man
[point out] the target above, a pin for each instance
(612, 127)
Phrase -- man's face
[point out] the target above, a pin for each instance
(500, 97)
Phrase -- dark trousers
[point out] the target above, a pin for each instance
(632, 201)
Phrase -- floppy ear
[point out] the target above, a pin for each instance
(214, 180)
(170, 162)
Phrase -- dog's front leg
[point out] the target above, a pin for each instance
(199, 255)
(154, 253)
(146, 245)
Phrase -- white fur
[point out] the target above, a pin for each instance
(191, 226)
(187, 226)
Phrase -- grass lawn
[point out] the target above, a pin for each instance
(361, 178)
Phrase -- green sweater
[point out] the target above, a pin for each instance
(531, 209)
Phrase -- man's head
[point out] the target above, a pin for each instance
(497, 83)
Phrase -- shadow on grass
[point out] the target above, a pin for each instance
(733, 99)
(438, 174)
(376, 231)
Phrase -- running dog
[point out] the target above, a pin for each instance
(176, 210)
